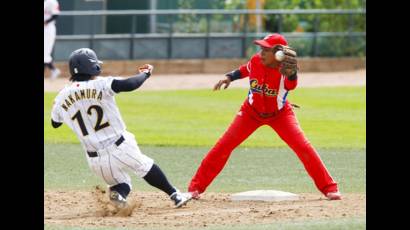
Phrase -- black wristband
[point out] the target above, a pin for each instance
(234, 75)
(293, 77)
(147, 74)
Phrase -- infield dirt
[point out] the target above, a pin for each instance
(155, 210)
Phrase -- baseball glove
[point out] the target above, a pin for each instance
(289, 65)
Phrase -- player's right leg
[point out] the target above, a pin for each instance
(242, 126)
(130, 156)
(156, 178)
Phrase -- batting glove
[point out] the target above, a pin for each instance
(146, 68)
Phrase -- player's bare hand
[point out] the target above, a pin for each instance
(225, 82)
(146, 68)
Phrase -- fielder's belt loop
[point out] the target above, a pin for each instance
(117, 143)
(266, 115)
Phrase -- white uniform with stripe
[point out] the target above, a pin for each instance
(51, 7)
(90, 110)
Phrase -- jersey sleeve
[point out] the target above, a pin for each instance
(107, 82)
(246, 68)
(56, 112)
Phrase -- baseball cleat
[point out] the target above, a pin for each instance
(117, 199)
(180, 198)
(55, 73)
(334, 195)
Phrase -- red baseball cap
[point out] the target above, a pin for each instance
(271, 40)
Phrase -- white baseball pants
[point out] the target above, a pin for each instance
(112, 162)
(49, 39)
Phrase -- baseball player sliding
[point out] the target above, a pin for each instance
(270, 82)
(51, 11)
(88, 107)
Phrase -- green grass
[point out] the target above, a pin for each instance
(330, 117)
(177, 128)
(247, 169)
(334, 224)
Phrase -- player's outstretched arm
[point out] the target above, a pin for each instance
(225, 82)
(55, 124)
(132, 83)
(231, 76)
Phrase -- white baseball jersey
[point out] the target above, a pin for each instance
(90, 110)
(51, 7)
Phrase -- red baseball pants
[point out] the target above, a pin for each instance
(245, 123)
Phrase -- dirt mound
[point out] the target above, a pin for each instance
(155, 209)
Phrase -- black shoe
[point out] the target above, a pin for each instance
(117, 199)
(180, 198)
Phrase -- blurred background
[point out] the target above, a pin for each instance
(329, 35)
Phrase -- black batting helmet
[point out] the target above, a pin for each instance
(84, 61)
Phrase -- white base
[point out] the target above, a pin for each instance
(264, 195)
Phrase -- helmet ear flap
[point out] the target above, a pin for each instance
(97, 68)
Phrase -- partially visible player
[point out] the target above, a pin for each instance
(51, 11)
(88, 107)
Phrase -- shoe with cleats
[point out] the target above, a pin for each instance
(117, 199)
(180, 199)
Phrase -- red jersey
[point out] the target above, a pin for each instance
(268, 87)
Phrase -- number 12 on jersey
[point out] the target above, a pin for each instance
(77, 116)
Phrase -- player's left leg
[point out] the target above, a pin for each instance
(287, 127)
(119, 193)
(118, 181)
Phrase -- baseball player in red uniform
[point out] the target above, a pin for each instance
(270, 82)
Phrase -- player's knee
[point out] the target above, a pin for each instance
(122, 188)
